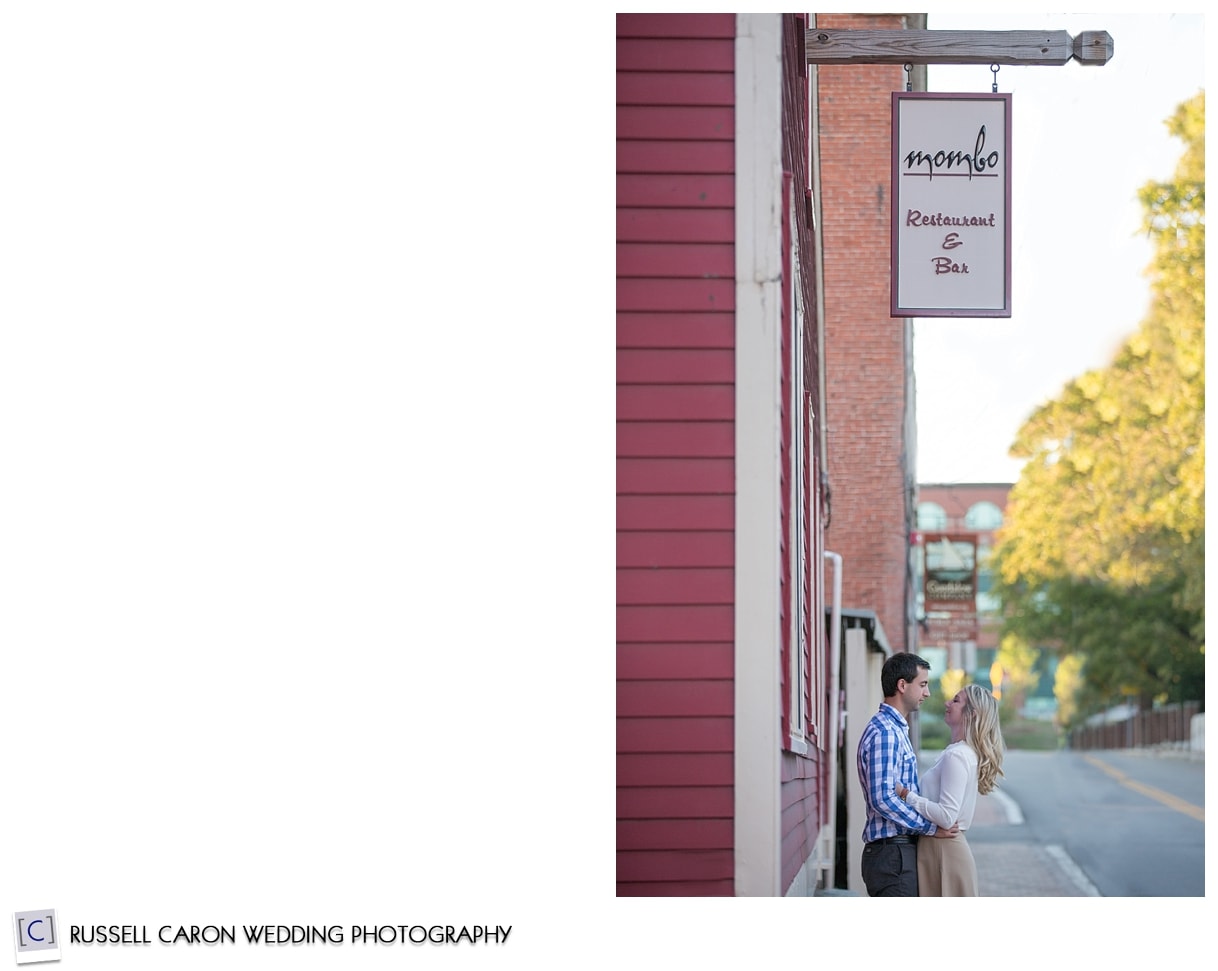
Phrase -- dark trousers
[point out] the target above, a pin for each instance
(890, 869)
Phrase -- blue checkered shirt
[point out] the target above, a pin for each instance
(885, 758)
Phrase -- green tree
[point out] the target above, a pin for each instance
(1102, 552)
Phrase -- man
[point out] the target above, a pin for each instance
(887, 765)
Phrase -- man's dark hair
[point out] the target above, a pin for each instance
(900, 667)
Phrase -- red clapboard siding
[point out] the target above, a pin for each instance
(675, 330)
(679, 621)
(708, 439)
(675, 834)
(663, 124)
(798, 825)
(698, 190)
(684, 802)
(668, 88)
(674, 734)
(676, 549)
(659, 123)
(686, 888)
(675, 452)
(676, 402)
(800, 771)
(683, 366)
(703, 586)
(676, 512)
(642, 699)
(674, 622)
(666, 260)
(694, 55)
(674, 769)
(662, 866)
(676, 25)
(679, 295)
(676, 225)
(663, 157)
(795, 791)
(675, 475)
(675, 661)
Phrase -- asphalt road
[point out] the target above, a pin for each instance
(1133, 824)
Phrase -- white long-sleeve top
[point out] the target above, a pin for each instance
(949, 788)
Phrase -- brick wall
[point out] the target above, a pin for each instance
(868, 362)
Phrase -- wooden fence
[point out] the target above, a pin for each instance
(1169, 725)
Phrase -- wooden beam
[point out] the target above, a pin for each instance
(1093, 47)
(1052, 47)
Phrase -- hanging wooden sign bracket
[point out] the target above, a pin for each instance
(1051, 47)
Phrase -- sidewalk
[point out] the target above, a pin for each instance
(1009, 863)
(1016, 867)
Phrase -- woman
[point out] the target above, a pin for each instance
(970, 765)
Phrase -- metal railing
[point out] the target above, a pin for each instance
(1169, 725)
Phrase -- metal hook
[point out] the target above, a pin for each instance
(908, 77)
(994, 68)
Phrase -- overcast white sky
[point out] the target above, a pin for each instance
(1084, 140)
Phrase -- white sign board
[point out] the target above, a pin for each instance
(951, 205)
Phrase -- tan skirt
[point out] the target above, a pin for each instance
(946, 868)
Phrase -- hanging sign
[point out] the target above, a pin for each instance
(950, 587)
(951, 205)
(950, 572)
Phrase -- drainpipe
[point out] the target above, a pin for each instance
(835, 679)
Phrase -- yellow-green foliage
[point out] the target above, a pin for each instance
(1017, 658)
(1103, 545)
(1067, 686)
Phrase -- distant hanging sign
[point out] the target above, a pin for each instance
(950, 572)
(950, 587)
(951, 205)
(942, 627)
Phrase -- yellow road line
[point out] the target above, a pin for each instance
(1170, 801)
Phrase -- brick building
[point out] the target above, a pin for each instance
(869, 366)
(971, 514)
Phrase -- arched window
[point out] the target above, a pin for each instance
(931, 516)
(983, 516)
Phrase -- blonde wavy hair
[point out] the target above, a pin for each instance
(983, 734)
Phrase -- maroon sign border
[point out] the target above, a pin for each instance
(897, 311)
